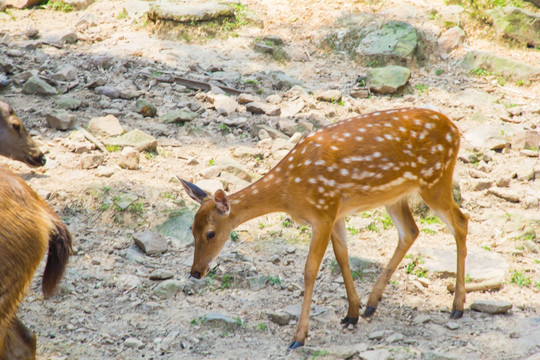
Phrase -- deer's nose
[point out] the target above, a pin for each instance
(196, 274)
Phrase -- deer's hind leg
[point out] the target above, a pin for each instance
(408, 232)
(339, 243)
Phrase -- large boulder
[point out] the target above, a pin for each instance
(506, 67)
(388, 79)
(516, 24)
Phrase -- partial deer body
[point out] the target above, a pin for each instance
(353, 165)
(15, 141)
(27, 227)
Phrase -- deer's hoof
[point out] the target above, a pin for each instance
(370, 310)
(456, 314)
(346, 321)
(295, 345)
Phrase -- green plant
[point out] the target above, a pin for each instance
(112, 148)
(438, 72)
(479, 72)
(357, 274)
(467, 278)
(122, 15)
(262, 326)
(428, 231)
(501, 81)
(58, 6)
(520, 83)
(226, 282)
(274, 280)
(486, 247)
(194, 322)
(224, 128)
(149, 155)
(519, 278)
(372, 63)
(373, 227)
(387, 222)
(319, 353)
(287, 223)
(353, 230)
(413, 267)
(211, 162)
(421, 88)
(430, 220)
(136, 208)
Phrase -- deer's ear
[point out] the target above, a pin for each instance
(194, 192)
(222, 202)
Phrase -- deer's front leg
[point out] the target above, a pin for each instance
(319, 243)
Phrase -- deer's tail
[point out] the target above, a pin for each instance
(59, 252)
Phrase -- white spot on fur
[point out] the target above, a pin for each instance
(409, 175)
(344, 172)
(297, 180)
(376, 154)
(319, 162)
(307, 162)
(358, 138)
(333, 147)
(449, 137)
(429, 126)
(361, 130)
(376, 113)
(388, 136)
(378, 138)
(312, 181)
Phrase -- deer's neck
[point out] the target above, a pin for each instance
(258, 199)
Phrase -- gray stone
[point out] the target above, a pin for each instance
(137, 139)
(133, 343)
(388, 79)
(110, 91)
(233, 183)
(130, 158)
(225, 105)
(526, 139)
(395, 337)
(160, 274)
(283, 82)
(21, 4)
(78, 4)
(105, 171)
(290, 127)
(481, 265)
(177, 227)
(379, 334)
(517, 24)
(394, 42)
(190, 12)
(91, 161)
(124, 200)
(167, 289)
(481, 184)
(280, 318)
(379, 354)
(333, 96)
(151, 243)
(263, 108)
(452, 325)
(491, 306)
(222, 321)
(450, 40)
(145, 108)
(66, 72)
(193, 286)
(509, 68)
(257, 282)
(101, 61)
(235, 168)
(105, 126)
(176, 116)
(247, 152)
(485, 137)
(505, 194)
(295, 310)
(246, 98)
(60, 120)
(430, 355)
(210, 172)
(35, 86)
(67, 102)
(273, 133)
(228, 77)
(210, 185)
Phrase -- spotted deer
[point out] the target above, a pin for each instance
(15, 141)
(352, 165)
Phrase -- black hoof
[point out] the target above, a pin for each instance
(295, 345)
(346, 321)
(370, 310)
(456, 314)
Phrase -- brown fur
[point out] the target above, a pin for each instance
(28, 226)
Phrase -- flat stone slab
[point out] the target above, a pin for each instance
(136, 139)
(491, 306)
(222, 321)
(295, 310)
(186, 12)
(480, 264)
(151, 243)
(177, 227)
(506, 67)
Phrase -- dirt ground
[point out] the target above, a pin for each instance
(106, 307)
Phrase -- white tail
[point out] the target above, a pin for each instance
(356, 164)
(15, 142)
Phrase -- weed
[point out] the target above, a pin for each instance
(122, 15)
(262, 326)
(252, 81)
(430, 220)
(211, 162)
(136, 208)
(421, 88)
(372, 63)
(112, 148)
(150, 155)
(467, 278)
(520, 83)
(413, 268)
(501, 81)
(274, 280)
(387, 222)
(194, 322)
(537, 285)
(167, 195)
(261, 225)
(224, 128)
(353, 230)
(319, 353)
(226, 282)
(287, 223)
(428, 231)
(357, 274)
(486, 247)
(479, 72)
(58, 6)
(519, 278)
(438, 72)
(373, 227)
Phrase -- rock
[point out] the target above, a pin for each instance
(35, 86)
(527, 139)
(429, 355)
(63, 37)
(485, 137)
(292, 108)
(450, 40)
(231, 166)
(105, 171)
(248, 152)
(233, 183)
(176, 116)
(422, 319)
(225, 105)
(22, 4)
(393, 43)
(379, 354)
(280, 318)
(388, 79)
(508, 68)
(66, 72)
(105, 126)
(283, 82)
(78, 4)
(332, 96)
(124, 200)
(507, 195)
(246, 98)
(145, 108)
(91, 161)
(491, 306)
(60, 120)
(67, 102)
(257, 282)
(151, 243)
(290, 127)
(130, 158)
(395, 337)
(133, 343)
(481, 265)
(137, 139)
(160, 274)
(273, 133)
(167, 289)
(222, 321)
(190, 13)
(294, 311)
(379, 334)
(110, 91)
(481, 184)
(516, 24)
(452, 325)
(177, 227)
(210, 172)
(263, 108)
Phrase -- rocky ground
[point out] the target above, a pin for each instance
(118, 70)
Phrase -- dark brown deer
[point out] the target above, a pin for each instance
(15, 141)
(353, 165)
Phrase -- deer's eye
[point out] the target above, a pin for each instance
(16, 127)
(210, 235)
